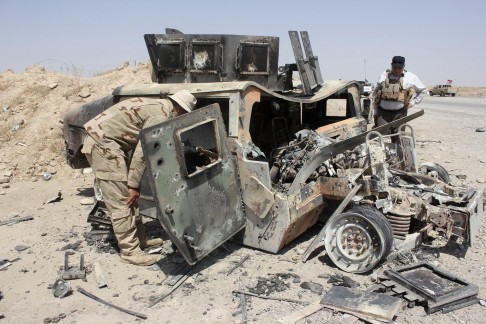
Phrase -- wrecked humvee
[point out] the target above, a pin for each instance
(261, 160)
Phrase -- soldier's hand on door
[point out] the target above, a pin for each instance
(133, 195)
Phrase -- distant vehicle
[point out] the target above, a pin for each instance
(365, 88)
(443, 90)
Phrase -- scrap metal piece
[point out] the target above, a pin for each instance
(99, 214)
(442, 291)
(4, 264)
(301, 313)
(367, 305)
(100, 275)
(407, 140)
(163, 296)
(73, 272)
(13, 221)
(130, 312)
(236, 266)
(57, 198)
(180, 272)
(244, 314)
(272, 298)
(61, 288)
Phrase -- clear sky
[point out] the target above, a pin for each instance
(440, 40)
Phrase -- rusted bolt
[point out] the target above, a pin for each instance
(168, 210)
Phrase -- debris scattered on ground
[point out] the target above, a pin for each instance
(57, 198)
(272, 298)
(16, 220)
(424, 283)
(236, 266)
(46, 176)
(312, 286)
(73, 272)
(72, 246)
(276, 282)
(100, 275)
(4, 264)
(61, 288)
(482, 302)
(341, 280)
(481, 129)
(130, 312)
(155, 250)
(20, 248)
(368, 306)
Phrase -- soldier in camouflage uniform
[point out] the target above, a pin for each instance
(110, 136)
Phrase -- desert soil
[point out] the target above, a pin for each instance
(33, 104)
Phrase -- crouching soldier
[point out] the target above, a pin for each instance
(110, 137)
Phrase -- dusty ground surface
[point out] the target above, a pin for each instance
(446, 134)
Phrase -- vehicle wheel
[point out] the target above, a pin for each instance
(441, 171)
(442, 93)
(431, 93)
(453, 94)
(358, 239)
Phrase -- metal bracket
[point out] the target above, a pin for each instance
(70, 273)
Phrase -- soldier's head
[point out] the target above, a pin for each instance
(397, 65)
(183, 101)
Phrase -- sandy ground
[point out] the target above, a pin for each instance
(445, 136)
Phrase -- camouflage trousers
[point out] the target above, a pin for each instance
(115, 195)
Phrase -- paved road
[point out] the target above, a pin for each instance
(466, 105)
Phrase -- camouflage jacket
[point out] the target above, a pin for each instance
(115, 132)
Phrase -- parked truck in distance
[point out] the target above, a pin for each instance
(443, 90)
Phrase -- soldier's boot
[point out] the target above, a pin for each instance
(144, 241)
(126, 234)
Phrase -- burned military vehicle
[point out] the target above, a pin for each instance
(261, 159)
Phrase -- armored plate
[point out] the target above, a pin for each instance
(442, 290)
(368, 305)
(194, 180)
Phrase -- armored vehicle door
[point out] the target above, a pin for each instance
(194, 181)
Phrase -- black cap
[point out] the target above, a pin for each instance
(398, 61)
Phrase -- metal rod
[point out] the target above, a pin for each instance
(272, 298)
(121, 309)
(16, 220)
(180, 282)
(236, 266)
(66, 261)
(244, 314)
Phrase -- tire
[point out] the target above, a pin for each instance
(453, 94)
(431, 93)
(441, 171)
(442, 93)
(347, 236)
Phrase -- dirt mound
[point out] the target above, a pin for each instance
(32, 107)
